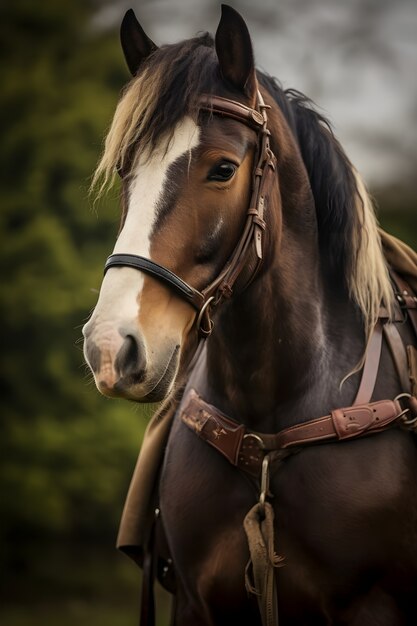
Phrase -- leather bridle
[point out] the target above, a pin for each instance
(248, 252)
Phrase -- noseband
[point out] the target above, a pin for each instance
(248, 252)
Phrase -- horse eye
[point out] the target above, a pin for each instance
(222, 171)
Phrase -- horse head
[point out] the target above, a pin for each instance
(186, 186)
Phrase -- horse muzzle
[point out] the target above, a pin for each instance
(123, 366)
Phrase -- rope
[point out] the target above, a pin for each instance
(260, 570)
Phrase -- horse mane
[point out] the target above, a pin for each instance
(350, 244)
(168, 87)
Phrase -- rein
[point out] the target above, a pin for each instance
(250, 244)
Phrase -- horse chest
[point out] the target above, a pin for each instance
(336, 508)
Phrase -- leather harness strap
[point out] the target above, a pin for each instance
(406, 298)
(406, 305)
(190, 294)
(232, 109)
(246, 449)
(370, 368)
(398, 353)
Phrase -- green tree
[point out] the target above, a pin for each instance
(67, 453)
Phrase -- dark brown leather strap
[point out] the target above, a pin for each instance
(147, 606)
(399, 354)
(344, 423)
(371, 365)
(246, 449)
(406, 297)
(232, 109)
(406, 300)
(148, 266)
(249, 250)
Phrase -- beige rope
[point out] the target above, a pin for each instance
(260, 570)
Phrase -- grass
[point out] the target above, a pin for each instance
(68, 614)
(68, 585)
(73, 611)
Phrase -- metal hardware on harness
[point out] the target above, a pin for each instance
(403, 395)
(260, 572)
(409, 424)
(264, 484)
(205, 311)
(256, 437)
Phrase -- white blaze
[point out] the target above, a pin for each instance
(121, 286)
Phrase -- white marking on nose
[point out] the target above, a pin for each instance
(147, 189)
(118, 300)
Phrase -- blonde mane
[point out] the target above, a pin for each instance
(167, 88)
(369, 282)
(131, 123)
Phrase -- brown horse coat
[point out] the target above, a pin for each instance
(139, 506)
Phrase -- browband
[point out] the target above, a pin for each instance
(233, 109)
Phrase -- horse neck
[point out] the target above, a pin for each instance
(279, 352)
(281, 348)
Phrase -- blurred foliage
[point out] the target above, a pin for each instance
(67, 453)
(397, 210)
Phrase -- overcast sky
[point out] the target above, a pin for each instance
(356, 58)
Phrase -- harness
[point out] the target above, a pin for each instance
(253, 452)
(250, 451)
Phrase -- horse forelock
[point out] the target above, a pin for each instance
(350, 245)
(166, 89)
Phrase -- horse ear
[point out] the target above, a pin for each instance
(234, 51)
(135, 42)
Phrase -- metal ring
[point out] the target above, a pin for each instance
(256, 437)
(403, 395)
(409, 423)
(264, 484)
(200, 317)
(404, 411)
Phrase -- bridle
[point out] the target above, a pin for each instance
(248, 253)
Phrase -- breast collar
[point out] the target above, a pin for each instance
(250, 450)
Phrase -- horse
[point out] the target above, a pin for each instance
(246, 283)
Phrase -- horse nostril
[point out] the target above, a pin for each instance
(130, 360)
(92, 355)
